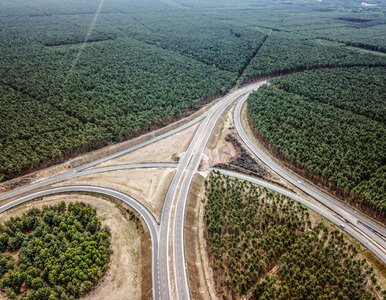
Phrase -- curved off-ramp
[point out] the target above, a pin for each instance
(145, 214)
(366, 224)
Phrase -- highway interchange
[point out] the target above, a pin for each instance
(347, 214)
(169, 275)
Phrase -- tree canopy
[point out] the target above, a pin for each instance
(267, 246)
(329, 126)
(68, 88)
(57, 252)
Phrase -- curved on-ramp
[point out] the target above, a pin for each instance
(145, 214)
(370, 231)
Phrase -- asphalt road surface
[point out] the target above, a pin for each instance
(322, 210)
(69, 174)
(169, 274)
(172, 219)
(374, 232)
(172, 254)
(141, 210)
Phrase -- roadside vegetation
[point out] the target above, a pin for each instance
(117, 93)
(263, 245)
(329, 126)
(57, 252)
(65, 90)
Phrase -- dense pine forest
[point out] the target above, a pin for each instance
(57, 252)
(330, 125)
(280, 55)
(263, 245)
(78, 75)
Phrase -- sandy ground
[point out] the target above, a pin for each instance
(272, 176)
(94, 155)
(200, 274)
(123, 279)
(379, 268)
(166, 150)
(149, 186)
(218, 150)
(33, 177)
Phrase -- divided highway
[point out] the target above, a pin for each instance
(169, 270)
(375, 239)
(172, 254)
(170, 232)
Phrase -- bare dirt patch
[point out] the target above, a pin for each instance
(82, 158)
(33, 177)
(166, 150)
(149, 186)
(219, 151)
(272, 176)
(200, 273)
(126, 273)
